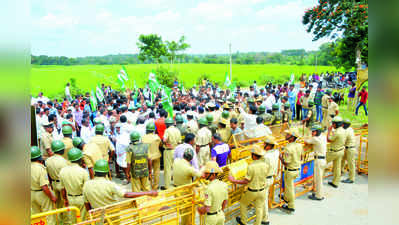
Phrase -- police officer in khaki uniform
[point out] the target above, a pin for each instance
(100, 191)
(172, 138)
(266, 116)
(154, 154)
(42, 198)
(91, 153)
(46, 139)
(191, 125)
(180, 126)
(67, 133)
(304, 102)
(336, 151)
(291, 159)
(319, 146)
(54, 165)
(324, 105)
(255, 179)
(203, 139)
(211, 125)
(72, 179)
(287, 115)
(350, 151)
(224, 129)
(216, 196)
(333, 110)
(276, 115)
(138, 163)
(102, 142)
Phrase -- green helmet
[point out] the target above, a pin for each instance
(203, 121)
(274, 106)
(251, 100)
(35, 152)
(57, 146)
(262, 109)
(225, 114)
(347, 121)
(66, 130)
(179, 118)
(169, 120)
(101, 166)
(134, 136)
(150, 127)
(96, 121)
(100, 128)
(209, 118)
(77, 141)
(337, 119)
(316, 127)
(233, 100)
(188, 154)
(310, 103)
(287, 104)
(74, 154)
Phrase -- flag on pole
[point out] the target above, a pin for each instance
(153, 83)
(122, 78)
(292, 78)
(99, 94)
(167, 101)
(93, 101)
(227, 81)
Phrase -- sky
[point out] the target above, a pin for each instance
(76, 28)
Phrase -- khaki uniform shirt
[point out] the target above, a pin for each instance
(38, 176)
(257, 173)
(104, 144)
(324, 102)
(68, 146)
(304, 101)
(350, 137)
(172, 136)
(183, 172)
(337, 138)
(192, 127)
(203, 137)
(91, 153)
(54, 165)
(153, 141)
(215, 193)
(292, 155)
(332, 108)
(225, 134)
(100, 192)
(45, 143)
(319, 145)
(73, 178)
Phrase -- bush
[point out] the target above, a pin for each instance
(166, 77)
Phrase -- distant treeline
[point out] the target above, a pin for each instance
(287, 57)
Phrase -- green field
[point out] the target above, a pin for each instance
(52, 79)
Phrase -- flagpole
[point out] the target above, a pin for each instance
(230, 61)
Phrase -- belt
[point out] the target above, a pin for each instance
(325, 107)
(56, 181)
(337, 150)
(212, 213)
(268, 177)
(36, 190)
(255, 190)
(292, 169)
(350, 146)
(169, 148)
(320, 157)
(75, 195)
(201, 146)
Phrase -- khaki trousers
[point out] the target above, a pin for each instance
(289, 189)
(204, 155)
(40, 202)
(57, 188)
(140, 184)
(217, 219)
(79, 203)
(265, 214)
(156, 169)
(319, 166)
(336, 158)
(350, 157)
(325, 119)
(168, 163)
(258, 198)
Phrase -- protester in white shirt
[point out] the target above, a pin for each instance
(86, 132)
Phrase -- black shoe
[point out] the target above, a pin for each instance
(163, 188)
(282, 197)
(288, 209)
(265, 223)
(313, 197)
(347, 181)
(331, 184)
(238, 219)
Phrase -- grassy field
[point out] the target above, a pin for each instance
(52, 79)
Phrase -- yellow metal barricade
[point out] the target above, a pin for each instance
(362, 160)
(41, 218)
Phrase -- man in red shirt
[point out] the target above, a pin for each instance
(363, 94)
(160, 123)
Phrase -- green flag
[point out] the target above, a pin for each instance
(227, 81)
(93, 101)
(232, 86)
(122, 78)
(99, 94)
(153, 85)
(167, 101)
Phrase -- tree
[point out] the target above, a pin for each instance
(151, 47)
(173, 47)
(344, 19)
(182, 46)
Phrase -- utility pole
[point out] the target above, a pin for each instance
(230, 61)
